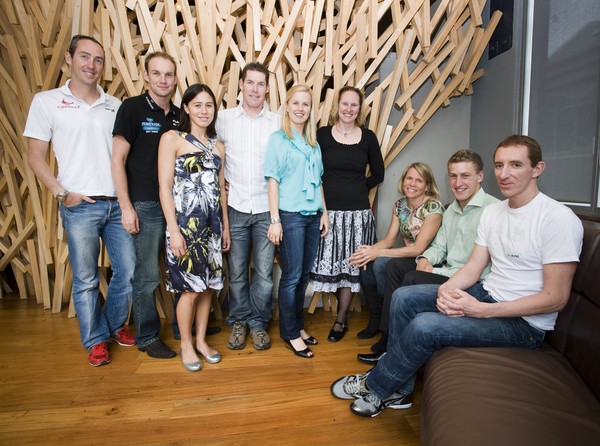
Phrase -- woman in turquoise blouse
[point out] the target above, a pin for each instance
(293, 167)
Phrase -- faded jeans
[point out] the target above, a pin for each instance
(418, 329)
(250, 301)
(85, 224)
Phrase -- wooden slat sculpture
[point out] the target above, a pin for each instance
(323, 43)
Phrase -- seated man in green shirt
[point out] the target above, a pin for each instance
(452, 245)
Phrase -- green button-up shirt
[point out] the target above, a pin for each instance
(455, 240)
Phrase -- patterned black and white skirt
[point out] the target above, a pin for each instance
(347, 231)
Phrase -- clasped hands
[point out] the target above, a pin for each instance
(456, 302)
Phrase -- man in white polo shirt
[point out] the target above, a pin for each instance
(245, 131)
(78, 119)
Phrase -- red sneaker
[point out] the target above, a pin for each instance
(99, 354)
(124, 338)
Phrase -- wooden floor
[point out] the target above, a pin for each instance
(49, 394)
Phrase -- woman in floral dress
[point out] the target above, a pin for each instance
(192, 195)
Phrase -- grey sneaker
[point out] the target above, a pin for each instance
(260, 339)
(237, 338)
(371, 405)
(350, 387)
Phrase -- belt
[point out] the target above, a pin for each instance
(102, 197)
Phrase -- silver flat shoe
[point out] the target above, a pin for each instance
(211, 359)
(192, 367)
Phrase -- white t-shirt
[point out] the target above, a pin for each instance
(245, 141)
(521, 241)
(81, 136)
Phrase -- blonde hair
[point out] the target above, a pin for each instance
(431, 189)
(334, 116)
(310, 128)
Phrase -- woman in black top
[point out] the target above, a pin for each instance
(347, 150)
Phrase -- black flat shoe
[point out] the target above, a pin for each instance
(306, 353)
(311, 340)
(335, 335)
(370, 358)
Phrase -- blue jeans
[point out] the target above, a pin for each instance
(375, 273)
(379, 267)
(297, 253)
(250, 302)
(418, 329)
(146, 276)
(85, 225)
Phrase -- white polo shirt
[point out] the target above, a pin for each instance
(245, 141)
(81, 136)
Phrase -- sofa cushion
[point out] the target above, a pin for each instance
(500, 396)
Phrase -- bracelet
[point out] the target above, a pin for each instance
(274, 220)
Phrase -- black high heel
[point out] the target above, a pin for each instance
(311, 340)
(306, 353)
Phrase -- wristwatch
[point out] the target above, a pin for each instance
(61, 197)
(274, 220)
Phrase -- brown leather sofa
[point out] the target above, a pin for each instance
(511, 396)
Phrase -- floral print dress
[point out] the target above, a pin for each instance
(197, 197)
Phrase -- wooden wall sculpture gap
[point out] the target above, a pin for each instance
(324, 43)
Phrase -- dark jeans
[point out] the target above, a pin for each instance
(401, 272)
(297, 253)
(146, 276)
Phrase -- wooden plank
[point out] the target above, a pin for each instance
(388, 45)
(52, 19)
(126, 41)
(126, 76)
(480, 48)
(401, 62)
(16, 245)
(371, 31)
(439, 83)
(286, 35)
(268, 45)
(442, 37)
(58, 54)
(222, 54)
(35, 272)
(421, 122)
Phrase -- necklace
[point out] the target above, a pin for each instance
(345, 133)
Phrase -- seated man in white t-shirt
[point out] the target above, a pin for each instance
(534, 244)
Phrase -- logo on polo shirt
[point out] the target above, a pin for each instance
(67, 104)
(150, 126)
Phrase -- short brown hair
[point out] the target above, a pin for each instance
(75, 41)
(534, 151)
(162, 55)
(467, 156)
(255, 66)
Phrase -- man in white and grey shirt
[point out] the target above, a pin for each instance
(244, 131)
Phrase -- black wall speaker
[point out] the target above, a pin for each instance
(502, 37)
